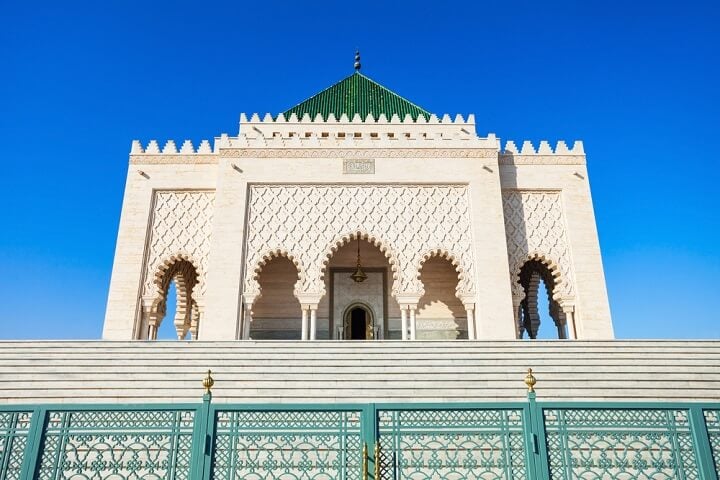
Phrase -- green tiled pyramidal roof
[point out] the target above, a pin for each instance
(357, 94)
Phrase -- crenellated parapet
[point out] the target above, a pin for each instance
(544, 154)
(170, 153)
(355, 127)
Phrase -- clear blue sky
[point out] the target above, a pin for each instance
(637, 81)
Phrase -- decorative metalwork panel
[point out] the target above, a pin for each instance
(620, 444)
(452, 444)
(14, 430)
(117, 445)
(712, 422)
(265, 445)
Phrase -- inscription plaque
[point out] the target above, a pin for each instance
(359, 165)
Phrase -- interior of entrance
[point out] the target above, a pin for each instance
(358, 324)
(343, 295)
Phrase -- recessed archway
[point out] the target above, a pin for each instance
(375, 293)
(276, 312)
(532, 274)
(440, 314)
(183, 275)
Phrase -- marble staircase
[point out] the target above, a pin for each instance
(353, 372)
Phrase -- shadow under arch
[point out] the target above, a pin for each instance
(276, 309)
(445, 254)
(268, 257)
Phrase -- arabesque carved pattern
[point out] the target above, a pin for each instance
(14, 429)
(457, 444)
(620, 444)
(181, 224)
(122, 445)
(534, 226)
(308, 222)
(302, 445)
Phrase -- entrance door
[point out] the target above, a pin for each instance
(358, 324)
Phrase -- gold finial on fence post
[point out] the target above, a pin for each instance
(208, 382)
(530, 381)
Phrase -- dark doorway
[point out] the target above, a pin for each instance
(358, 324)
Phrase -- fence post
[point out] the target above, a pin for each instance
(202, 441)
(536, 432)
(34, 443)
(701, 440)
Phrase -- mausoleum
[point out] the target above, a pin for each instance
(357, 214)
(363, 279)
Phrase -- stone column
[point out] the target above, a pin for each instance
(246, 320)
(313, 322)
(304, 323)
(403, 322)
(516, 301)
(152, 331)
(569, 311)
(246, 323)
(412, 322)
(470, 310)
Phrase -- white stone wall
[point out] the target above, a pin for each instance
(304, 189)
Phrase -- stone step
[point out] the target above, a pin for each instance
(381, 371)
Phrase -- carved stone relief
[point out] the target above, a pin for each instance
(181, 224)
(309, 222)
(535, 227)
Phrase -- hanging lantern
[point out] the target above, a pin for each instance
(358, 276)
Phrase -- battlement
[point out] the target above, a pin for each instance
(170, 148)
(434, 119)
(544, 148)
(280, 126)
(543, 154)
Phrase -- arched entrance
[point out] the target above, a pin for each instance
(358, 323)
(345, 293)
(532, 274)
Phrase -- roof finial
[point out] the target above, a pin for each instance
(357, 60)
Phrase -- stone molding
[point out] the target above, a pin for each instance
(535, 229)
(354, 152)
(513, 159)
(404, 221)
(189, 159)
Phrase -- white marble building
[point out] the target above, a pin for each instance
(453, 231)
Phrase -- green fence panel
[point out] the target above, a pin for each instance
(453, 443)
(116, 444)
(14, 438)
(320, 443)
(619, 443)
(712, 423)
(202, 441)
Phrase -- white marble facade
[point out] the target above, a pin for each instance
(454, 230)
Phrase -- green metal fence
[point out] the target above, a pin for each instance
(523, 440)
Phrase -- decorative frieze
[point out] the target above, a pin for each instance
(309, 222)
(535, 227)
(181, 224)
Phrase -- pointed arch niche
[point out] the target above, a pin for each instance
(440, 314)
(375, 293)
(181, 271)
(276, 311)
(532, 273)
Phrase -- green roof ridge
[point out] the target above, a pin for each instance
(357, 94)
